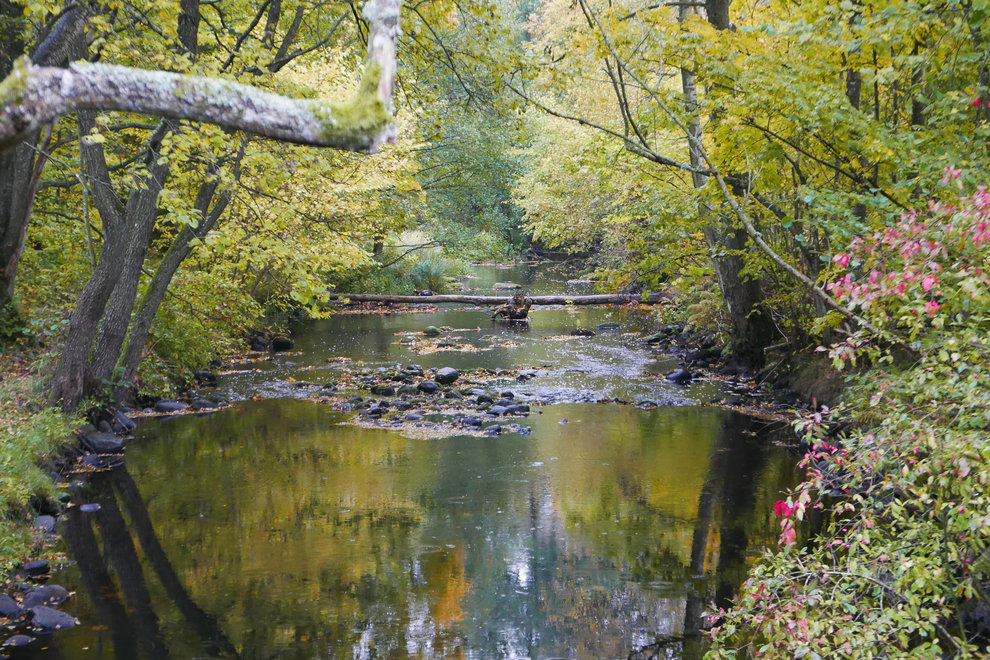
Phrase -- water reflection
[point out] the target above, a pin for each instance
(272, 531)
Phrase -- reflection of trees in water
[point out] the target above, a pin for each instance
(442, 557)
(133, 623)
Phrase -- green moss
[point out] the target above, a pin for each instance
(15, 86)
(353, 121)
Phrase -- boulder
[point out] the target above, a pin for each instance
(36, 567)
(206, 377)
(428, 387)
(259, 343)
(170, 406)
(49, 594)
(203, 404)
(47, 620)
(497, 410)
(122, 423)
(447, 375)
(518, 409)
(680, 376)
(383, 390)
(9, 607)
(282, 343)
(493, 430)
(471, 421)
(45, 524)
(432, 331)
(18, 640)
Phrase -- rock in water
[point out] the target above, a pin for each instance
(447, 375)
(680, 376)
(36, 567)
(282, 343)
(432, 331)
(49, 594)
(9, 607)
(18, 640)
(45, 524)
(47, 620)
(428, 387)
(259, 344)
(169, 406)
(103, 443)
(122, 423)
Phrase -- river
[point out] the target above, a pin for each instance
(275, 529)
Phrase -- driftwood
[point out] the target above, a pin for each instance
(603, 299)
(516, 309)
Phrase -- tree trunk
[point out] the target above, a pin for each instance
(605, 299)
(158, 287)
(20, 166)
(750, 327)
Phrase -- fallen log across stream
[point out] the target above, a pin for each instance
(603, 299)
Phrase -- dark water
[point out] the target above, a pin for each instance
(271, 530)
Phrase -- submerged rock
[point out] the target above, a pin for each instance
(282, 343)
(47, 620)
(18, 640)
(680, 376)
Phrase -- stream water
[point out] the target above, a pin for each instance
(273, 529)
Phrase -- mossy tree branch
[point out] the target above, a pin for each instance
(33, 96)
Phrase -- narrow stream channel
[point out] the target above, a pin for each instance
(275, 530)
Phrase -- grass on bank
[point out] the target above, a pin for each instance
(31, 434)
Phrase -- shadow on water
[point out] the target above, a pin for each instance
(273, 531)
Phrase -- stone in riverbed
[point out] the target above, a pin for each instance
(428, 387)
(383, 390)
(18, 640)
(493, 430)
(103, 443)
(282, 343)
(203, 404)
(497, 410)
(36, 567)
(518, 409)
(45, 524)
(471, 421)
(122, 423)
(9, 607)
(432, 331)
(680, 376)
(447, 375)
(47, 620)
(89, 508)
(259, 343)
(169, 406)
(413, 417)
(49, 594)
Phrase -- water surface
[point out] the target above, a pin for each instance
(275, 530)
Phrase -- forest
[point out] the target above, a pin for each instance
(806, 182)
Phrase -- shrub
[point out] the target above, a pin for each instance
(905, 553)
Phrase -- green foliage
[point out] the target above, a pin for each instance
(32, 434)
(906, 549)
